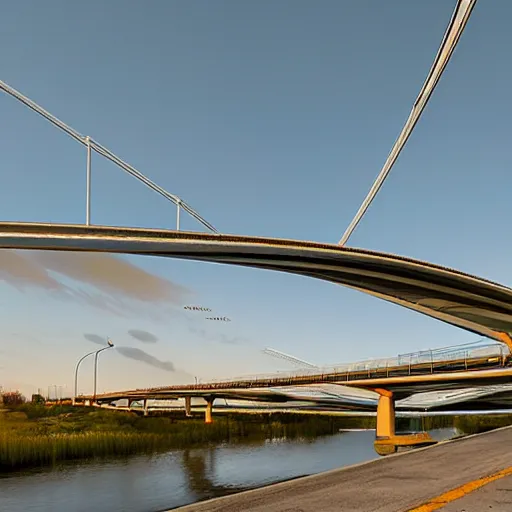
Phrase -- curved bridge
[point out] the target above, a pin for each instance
(469, 302)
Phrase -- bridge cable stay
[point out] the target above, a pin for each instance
(451, 37)
(291, 359)
(479, 343)
(90, 143)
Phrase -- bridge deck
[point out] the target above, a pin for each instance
(469, 302)
(395, 483)
(372, 377)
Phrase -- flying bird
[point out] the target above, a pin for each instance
(219, 318)
(197, 308)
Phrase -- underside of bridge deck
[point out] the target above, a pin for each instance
(473, 303)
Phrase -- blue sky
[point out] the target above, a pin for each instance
(269, 118)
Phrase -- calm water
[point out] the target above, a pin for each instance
(161, 482)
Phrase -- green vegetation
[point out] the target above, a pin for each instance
(466, 424)
(35, 435)
(477, 424)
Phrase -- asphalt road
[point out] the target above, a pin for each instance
(395, 483)
(494, 497)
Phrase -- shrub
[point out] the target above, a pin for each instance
(11, 398)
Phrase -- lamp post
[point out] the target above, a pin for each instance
(96, 352)
(109, 345)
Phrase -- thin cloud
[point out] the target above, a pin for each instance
(21, 272)
(111, 274)
(116, 306)
(217, 336)
(144, 336)
(140, 355)
(113, 283)
(96, 338)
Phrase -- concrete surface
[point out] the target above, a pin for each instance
(494, 497)
(395, 483)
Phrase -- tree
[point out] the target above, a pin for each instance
(38, 399)
(13, 398)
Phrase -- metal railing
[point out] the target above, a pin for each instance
(447, 360)
(468, 352)
(92, 145)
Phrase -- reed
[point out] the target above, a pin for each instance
(477, 424)
(37, 437)
(19, 451)
(24, 451)
(33, 435)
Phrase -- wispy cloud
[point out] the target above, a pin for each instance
(140, 355)
(96, 338)
(113, 283)
(21, 272)
(216, 336)
(133, 353)
(144, 336)
(115, 305)
(110, 274)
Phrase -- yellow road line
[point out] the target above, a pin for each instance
(460, 492)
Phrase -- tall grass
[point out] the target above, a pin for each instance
(477, 424)
(50, 439)
(32, 436)
(24, 451)
(18, 451)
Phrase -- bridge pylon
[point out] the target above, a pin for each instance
(386, 439)
(208, 416)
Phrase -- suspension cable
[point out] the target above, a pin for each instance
(451, 37)
(103, 151)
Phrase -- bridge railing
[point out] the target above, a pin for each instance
(92, 145)
(446, 354)
(450, 359)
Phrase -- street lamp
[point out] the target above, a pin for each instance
(109, 345)
(96, 352)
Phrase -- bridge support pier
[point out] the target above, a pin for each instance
(208, 417)
(146, 408)
(188, 406)
(386, 439)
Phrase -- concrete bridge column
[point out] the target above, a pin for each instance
(188, 406)
(146, 409)
(386, 439)
(385, 415)
(208, 417)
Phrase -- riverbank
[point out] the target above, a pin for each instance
(162, 481)
(35, 435)
(360, 487)
(166, 480)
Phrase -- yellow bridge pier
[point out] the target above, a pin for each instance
(386, 439)
(208, 416)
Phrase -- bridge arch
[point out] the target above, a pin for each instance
(472, 303)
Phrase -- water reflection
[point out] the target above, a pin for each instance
(165, 481)
(200, 471)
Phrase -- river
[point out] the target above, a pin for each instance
(165, 481)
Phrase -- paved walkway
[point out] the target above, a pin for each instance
(494, 497)
(395, 483)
